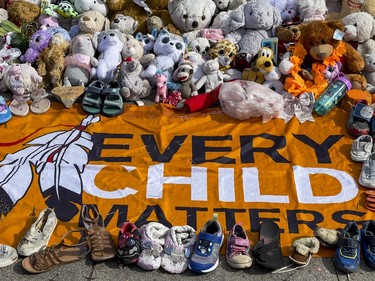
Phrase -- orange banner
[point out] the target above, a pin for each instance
(155, 163)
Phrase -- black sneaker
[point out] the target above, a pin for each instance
(129, 244)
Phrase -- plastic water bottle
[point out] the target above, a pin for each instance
(332, 95)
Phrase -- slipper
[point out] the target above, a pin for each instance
(113, 104)
(57, 255)
(267, 251)
(5, 113)
(178, 246)
(19, 106)
(40, 103)
(327, 237)
(92, 99)
(153, 237)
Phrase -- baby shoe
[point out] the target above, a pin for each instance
(153, 237)
(39, 234)
(359, 119)
(303, 249)
(368, 242)
(367, 176)
(238, 248)
(327, 237)
(177, 249)
(8, 255)
(129, 244)
(361, 148)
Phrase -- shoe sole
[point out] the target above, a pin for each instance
(240, 265)
(358, 158)
(364, 184)
(27, 254)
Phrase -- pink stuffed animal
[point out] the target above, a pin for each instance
(161, 84)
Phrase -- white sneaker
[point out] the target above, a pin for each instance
(39, 234)
(361, 148)
(367, 176)
(8, 255)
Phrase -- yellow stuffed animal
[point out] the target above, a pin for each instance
(261, 64)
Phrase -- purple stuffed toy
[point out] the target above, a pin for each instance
(39, 41)
(332, 71)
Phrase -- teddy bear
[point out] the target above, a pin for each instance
(320, 46)
(310, 10)
(133, 48)
(169, 48)
(287, 35)
(38, 42)
(250, 22)
(109, 44)
(189, 15)
(157, 8)
(360, 28)
(212, 77)
(288, 9)
(21, 12)
(200, 45)
(132, 86)
(369, 72)
(83, 6)
(51, 62)
(90, 22)
(124, 24)
(78, 65)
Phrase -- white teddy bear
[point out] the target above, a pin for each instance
(370, 72)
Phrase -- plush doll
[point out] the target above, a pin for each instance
(21, 12)
(155, 23)
(38, 42)
(201, 46)
(83, 6)
(184, 75)
(332, 71)
(360, 28)
(67, 10)
(261, 64)
(196, 61)
(133, 49)
(133, 8)
(325, 49)
(78, 65)
(46, 21)
(189, 15)
(132, 86)
(124, 24)
(310, 10)
(288, 9)
(226, 5)
(212, 78)
(90, 22)
(355, 6)
(147, 41)
(51, 62)
(250, 23)
(287, 35)
(369, 72)
(109, 45)
(169, 48)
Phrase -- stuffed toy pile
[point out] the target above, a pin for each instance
(183, 50)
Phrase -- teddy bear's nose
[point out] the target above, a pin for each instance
(194, 24)
(85, 18)
(116, 20)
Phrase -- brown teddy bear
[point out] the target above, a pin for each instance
(287, 35)
(141, 12)
(320, 46)
(51, 61)
(21, 12)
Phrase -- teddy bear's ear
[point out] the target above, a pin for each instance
(336, 24)
(237, 18)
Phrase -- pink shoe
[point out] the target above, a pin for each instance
(238, 248)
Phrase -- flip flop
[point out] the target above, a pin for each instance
(92, 99)
(113, 104)
(19, 108)
(267, 251)
(40, 103)
(5, 113)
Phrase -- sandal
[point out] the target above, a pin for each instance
(5, 113)
(92, 99)
(62, 253)
(40, 103)
(267, 251)
(19, 106)
(113, 104)
(100, 240)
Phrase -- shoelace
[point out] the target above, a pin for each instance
(204, 246)
(238, 249)
(29, 238)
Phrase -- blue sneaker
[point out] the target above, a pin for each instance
(368, 242)
(348, 252)
(205, 257)
(5, 113)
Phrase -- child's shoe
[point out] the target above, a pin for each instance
(238, 248)
(368, 242)
(129, 244)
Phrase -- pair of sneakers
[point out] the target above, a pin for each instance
(363, 151)
(348, 252)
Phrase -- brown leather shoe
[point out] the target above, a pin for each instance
(99, 239)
